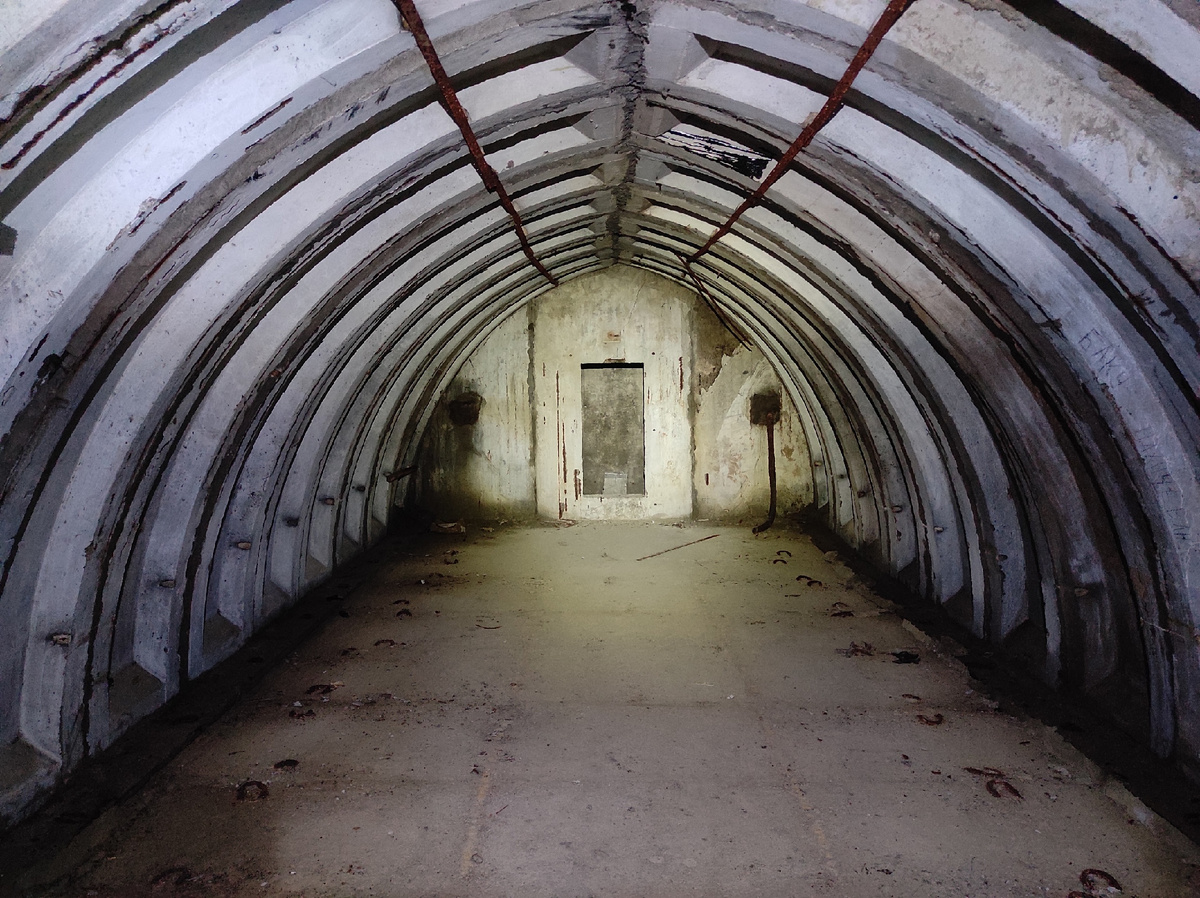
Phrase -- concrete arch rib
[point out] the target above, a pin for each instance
(262, 256)
(862, 392)
(841, 133)
(277, 222)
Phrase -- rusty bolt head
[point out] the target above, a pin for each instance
(244, 544)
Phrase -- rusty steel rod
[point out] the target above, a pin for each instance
(413, 22)
(832, 106)
(683, 546)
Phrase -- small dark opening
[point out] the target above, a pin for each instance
(464, 410)
(614, 436)
(765, 408)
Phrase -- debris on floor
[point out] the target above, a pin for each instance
(252, 790)
(857, 649)
(998, 788)
(1095, 883)
(616, 718)
(991, 772)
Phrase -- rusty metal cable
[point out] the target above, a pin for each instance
(449, 99)
(710, 302)
(833, 105)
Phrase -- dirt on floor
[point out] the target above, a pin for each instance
(548, 711)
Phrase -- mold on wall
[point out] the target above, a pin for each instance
(483, 468)
(731, 453)
(617, 315)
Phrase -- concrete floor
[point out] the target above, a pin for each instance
(558, 718)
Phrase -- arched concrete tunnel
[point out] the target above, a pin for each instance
(246, 252)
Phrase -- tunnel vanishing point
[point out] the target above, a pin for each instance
(247, 248)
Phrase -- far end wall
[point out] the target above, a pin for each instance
(526, 449)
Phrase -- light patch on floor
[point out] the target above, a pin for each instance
(537, 712)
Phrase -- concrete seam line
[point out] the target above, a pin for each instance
(412, 21)
(833, 105)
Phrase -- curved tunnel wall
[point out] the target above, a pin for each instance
(246, 253)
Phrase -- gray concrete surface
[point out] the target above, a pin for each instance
(557, 717)
(243, 256)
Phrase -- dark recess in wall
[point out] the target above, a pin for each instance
(613, 426)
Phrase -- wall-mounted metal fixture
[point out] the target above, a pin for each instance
(464, 409)
(63, 639)
(168, 583)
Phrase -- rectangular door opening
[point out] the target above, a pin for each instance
(614, 429)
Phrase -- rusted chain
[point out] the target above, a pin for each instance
(832, 106)
(413, 22)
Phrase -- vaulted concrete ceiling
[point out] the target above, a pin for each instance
(245, 249)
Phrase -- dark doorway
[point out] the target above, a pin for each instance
(614, 439)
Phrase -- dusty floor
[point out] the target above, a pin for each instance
(547, 715)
